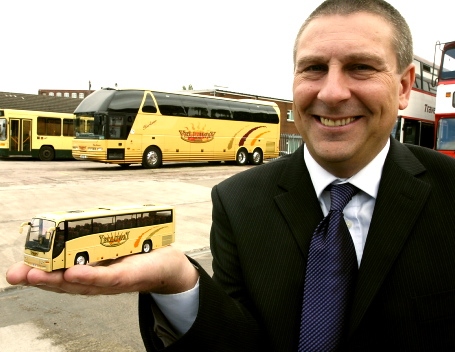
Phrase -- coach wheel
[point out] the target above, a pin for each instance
(242, 157)
(257, 157)
(152, 158)
(46, 153)
(147, 246)
(81, 259)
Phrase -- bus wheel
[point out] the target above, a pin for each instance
(147, 246)
(257, 157)
(241, 157)
(81, 259)
(151, 158)
(46, 153)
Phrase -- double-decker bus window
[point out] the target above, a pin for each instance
(446, 134)
(169, 104)
(448, 64)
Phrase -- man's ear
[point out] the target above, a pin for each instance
(406, 82)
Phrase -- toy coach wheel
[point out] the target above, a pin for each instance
(147, 246)
(81, 259)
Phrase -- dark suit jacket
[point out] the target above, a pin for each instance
(263, 220)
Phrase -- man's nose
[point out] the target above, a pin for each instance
(334, 88)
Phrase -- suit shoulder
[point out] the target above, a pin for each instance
(431, 159)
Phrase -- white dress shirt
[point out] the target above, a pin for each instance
(181, 309)
(359, 210)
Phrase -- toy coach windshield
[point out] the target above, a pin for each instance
(39, 236)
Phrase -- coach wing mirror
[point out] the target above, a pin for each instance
(21, 228)
(49, 232)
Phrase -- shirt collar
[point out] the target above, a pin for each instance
(366, 179)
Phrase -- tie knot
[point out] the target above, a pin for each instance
(340, 195)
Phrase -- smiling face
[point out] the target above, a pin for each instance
(347, 90)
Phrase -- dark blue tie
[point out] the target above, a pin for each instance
(330, 278)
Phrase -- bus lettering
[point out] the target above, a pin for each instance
(429, 109)
(114, 240)
(148, 125)
(196, 136)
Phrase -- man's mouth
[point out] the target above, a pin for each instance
(337, 122)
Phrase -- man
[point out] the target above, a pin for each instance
(353, 71)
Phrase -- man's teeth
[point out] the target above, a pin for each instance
(332, 123)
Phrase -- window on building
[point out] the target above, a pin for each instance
(73, 95)
(81, 95)
(59, 94)
(66, 95)
(290, 115)
(51, 94)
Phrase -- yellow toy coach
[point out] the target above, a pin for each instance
(61, 239)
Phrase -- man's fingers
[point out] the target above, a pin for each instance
(17, 274)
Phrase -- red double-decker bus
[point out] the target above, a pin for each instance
(445, 101)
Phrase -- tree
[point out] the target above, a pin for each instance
(190, 87)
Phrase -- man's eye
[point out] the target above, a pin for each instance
(315, 68)
(362, 67)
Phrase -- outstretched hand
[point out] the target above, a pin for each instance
(165, 270)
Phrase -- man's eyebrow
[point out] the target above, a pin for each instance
(352, 57)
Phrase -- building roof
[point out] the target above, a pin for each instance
(34, 102)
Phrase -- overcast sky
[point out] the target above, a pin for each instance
(239, 45)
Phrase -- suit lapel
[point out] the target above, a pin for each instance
(299, 204)
(401, 197)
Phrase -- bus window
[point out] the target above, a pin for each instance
(68, 127)
(149, 105)
(127, 101)
(448, 65)
(240, 111)
(195, 106)
(48, 126)
(79, 228)
(219, 109)
(2, 129)
(125, 221)
(446, 134)
(169, 104)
